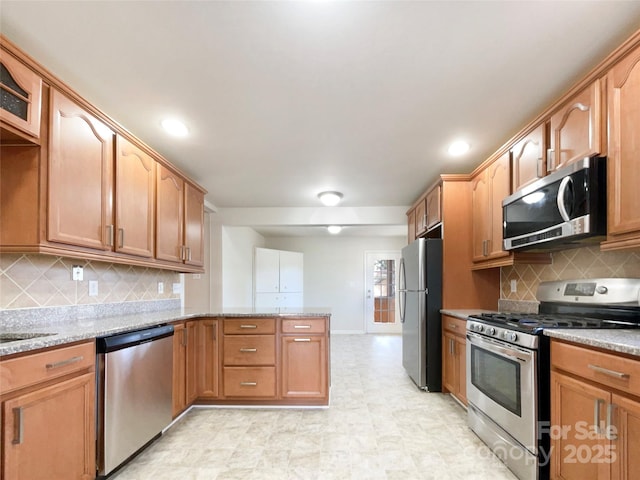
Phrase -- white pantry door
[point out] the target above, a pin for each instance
(381, 307)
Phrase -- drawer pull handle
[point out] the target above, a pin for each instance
(64, 363)
(248, 326)
(302, 326)
(606, 371)
(249, 384)
(453, 325)
(18, 434)
(251, 350)
(301, 339)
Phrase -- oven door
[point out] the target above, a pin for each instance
(501, 383)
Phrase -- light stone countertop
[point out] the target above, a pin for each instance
(622, 341)
(72, 329)
(462, 314)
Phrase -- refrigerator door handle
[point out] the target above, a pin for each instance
(402, 277)
(403, 301)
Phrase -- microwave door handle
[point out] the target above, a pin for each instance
(564, 184)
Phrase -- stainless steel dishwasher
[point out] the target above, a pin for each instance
(134, 376)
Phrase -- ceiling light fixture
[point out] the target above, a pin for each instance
(175, 127)
(459, 147)
(334, 229)
(330, 199)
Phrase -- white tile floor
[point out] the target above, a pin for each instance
(379, 426)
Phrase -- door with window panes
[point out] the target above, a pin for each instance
(381, 301)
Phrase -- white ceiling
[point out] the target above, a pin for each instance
(285, 99)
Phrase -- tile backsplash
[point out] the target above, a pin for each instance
(28, 281)
(577, 263)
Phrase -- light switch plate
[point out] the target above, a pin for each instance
(93, 288)
(177, 288)
(76, 273)
(514, 286)
(160, 287)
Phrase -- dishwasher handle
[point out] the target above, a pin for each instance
(119, 341)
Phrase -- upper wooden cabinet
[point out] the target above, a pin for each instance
(529, 157)
(623, 98)
(426, 214)
(134, 200)
(489, 188)
(193, 225)
(576, 128)
(80, 177)
(20, 101)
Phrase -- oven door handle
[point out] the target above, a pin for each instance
(500, 350)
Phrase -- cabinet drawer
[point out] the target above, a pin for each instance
(248, 326)
(304, 325)
(249, 381)
(454, 325)
(38, 367)
(605, 368)
(250, 350)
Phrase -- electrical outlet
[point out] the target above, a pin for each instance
(196, 276)
(93, 288)
(177, 288)
(76, 273)
(160, 287)
(514, 286)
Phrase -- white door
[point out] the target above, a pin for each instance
(267, 270)
(381, 292)
(291, 268)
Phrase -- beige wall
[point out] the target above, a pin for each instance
(577, 263)
(28, 281)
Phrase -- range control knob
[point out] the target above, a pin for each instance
(601, 289)
(491, 331)
(511, 336)
(479, 328)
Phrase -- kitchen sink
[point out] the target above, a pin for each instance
(16, 337)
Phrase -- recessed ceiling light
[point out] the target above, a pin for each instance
(334, 229)
(175, 127)
(330, 199)
(459, 147)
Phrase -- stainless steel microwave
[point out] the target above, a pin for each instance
(562, 210)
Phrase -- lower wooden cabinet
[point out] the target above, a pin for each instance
(595, 414)
(304, 366)
(208, 363)
(454, 357)
(185, 350)
(48, 415)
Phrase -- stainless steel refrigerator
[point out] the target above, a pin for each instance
(420, 289)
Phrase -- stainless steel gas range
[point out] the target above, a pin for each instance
(508, 367)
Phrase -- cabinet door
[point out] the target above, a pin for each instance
(499, 182)
(304, 367)
(80, 177)
(411, 226)
(626, 441)
(434, 209)
(194, 225)
(480, 190)
(624, 139)
(421, 218)
(575, 129)
(529, 158)
(208, 358)
(179, 369)
(169, 215)
(191, 360)
(267, 270)
(576, 408)
(291, 268)
(135, 200)
(267, 300)
(21, 96)
(49, 433)
(461, 370)
(449, 373)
